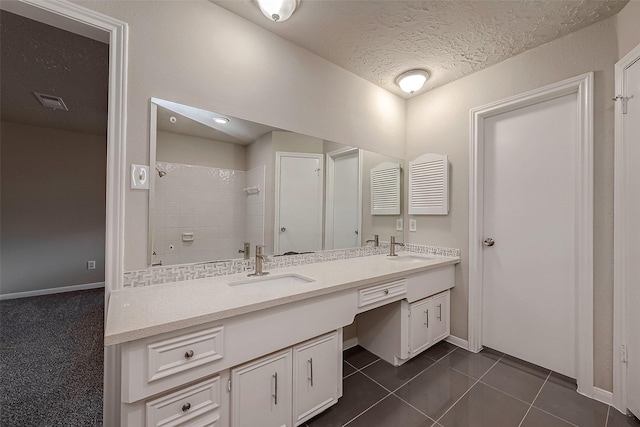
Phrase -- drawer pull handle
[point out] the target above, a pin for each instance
(186, 407)
(386, 291)
(188, 355)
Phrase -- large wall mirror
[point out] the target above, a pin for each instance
(221, 182)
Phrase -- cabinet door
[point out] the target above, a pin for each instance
(439, 317)
(419, 318)
(315, 376)
(261, 392)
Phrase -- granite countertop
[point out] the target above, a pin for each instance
(136, 313)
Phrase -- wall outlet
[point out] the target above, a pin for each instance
(91, 265)
(412, 225)
(399, 224)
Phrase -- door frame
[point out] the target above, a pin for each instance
(276, 228)
(81, 20)
(582, 85)
(619, 238)
(331, 157)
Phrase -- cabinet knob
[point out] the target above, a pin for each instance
(188, 354)
(186, 407)
(489, 241)
(386, 291)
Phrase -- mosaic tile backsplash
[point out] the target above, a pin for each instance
(176, 273)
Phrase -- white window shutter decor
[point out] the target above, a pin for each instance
(385, 189)
(429, 185)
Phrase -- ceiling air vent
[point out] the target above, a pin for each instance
(51, 101)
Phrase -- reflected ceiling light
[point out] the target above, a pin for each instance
(221, 120)
(277, 10)
(412, 81)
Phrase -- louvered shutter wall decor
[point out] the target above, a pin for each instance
(385, 189)
(429, 185)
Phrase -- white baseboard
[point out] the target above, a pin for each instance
(52, 291)
(603, 396)
(458, 341)
(351, 342)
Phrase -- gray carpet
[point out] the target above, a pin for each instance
(51, 360)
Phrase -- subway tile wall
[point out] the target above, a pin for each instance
(175, 273)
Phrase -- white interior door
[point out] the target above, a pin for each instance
(529, 274)
(631, 159)
(345, 203)
(299, 194)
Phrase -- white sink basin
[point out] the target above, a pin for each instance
(277, 280)
(410, 258)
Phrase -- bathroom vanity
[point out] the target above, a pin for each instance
(238, 351)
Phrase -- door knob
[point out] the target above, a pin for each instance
(489, 241)
(283, 229)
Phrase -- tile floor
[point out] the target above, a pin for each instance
(447, 386)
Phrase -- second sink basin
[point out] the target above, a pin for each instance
(410, 258)
(276, 280)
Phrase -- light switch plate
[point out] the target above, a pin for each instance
(399, 224)
(412, 225)
(139, 177)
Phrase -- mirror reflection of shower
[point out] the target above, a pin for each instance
(161, 173)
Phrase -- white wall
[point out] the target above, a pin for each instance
(438, 121)
(53, 207)
(627, 26)
(196, 53)
(191, 150)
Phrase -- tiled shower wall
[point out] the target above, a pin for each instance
(210, 203)
(254, 215)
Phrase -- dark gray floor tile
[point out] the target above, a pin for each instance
(484, 406)
(517, 378)
(473, 364)
(618, 419)
(392, 412)
(435, 390)
(359, 393)
(393, 377)
(439, 350)
(538, 418)
(359, 357)
(347, 369)
(558, 397)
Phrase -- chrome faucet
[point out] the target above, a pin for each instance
(392, 246)
(260, 258)
(246, 250)
(375, 240)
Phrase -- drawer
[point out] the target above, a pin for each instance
(196, 405)
(375, 294)
(177, 354)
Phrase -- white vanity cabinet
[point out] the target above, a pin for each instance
(261, 392)
(288, 387)
(428, 322)
(317, 376)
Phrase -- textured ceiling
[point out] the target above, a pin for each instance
(36, 57)
(378, 40)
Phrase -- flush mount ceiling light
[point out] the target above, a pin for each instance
(277, 10)
(221, 120)
(412, 81)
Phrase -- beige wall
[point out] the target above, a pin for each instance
(196, 53)
(191, 150)
(438, 121)
(628, 27)
(53, 208)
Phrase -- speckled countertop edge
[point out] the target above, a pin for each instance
(136, 313)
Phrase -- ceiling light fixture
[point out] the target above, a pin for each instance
(277, 10)
(412, 81)
(221, 120)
